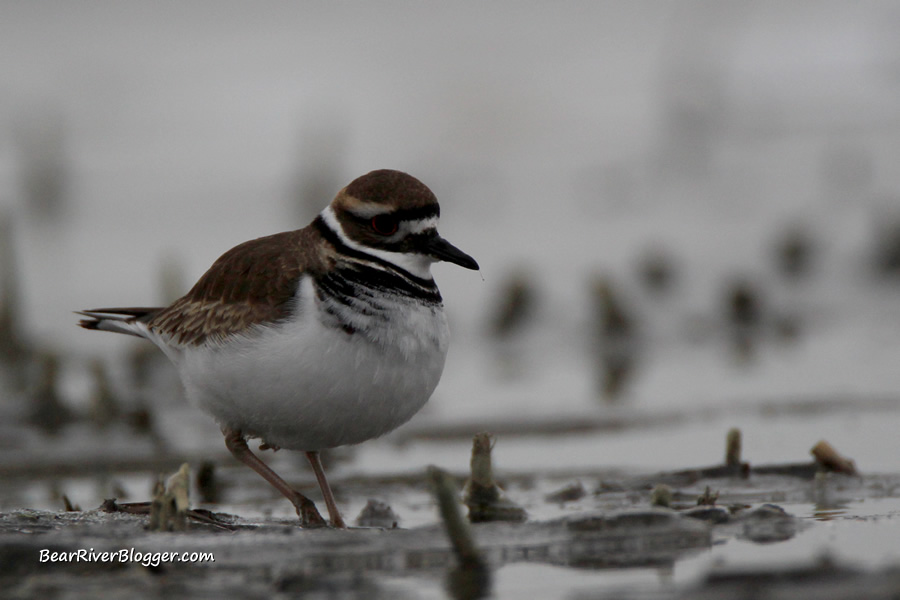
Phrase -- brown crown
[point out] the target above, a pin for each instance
(393, 189)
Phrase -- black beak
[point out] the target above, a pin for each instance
(441, 249)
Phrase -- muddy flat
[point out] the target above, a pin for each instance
(786, 528)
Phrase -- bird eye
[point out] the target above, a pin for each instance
(384, 224)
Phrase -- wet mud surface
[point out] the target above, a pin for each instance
(704, 532)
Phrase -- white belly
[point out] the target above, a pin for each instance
(304, 386)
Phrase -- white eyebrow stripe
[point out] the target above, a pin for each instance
(420, 225)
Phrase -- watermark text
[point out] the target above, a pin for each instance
(147, 559)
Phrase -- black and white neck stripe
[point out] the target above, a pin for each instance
(364, 293)
(375, 270)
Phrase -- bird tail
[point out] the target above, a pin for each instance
(130, 321)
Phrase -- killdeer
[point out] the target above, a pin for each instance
(310, 339)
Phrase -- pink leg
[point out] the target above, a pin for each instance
(336, 520)
(306, 510)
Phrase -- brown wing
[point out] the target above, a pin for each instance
(250, 284)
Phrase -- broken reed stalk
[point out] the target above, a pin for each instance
(515, 306)
(170, 505)
(104, 406)
(708, 498)
(158, 508)
(481, 487)
(455, 525)
(47, 411)
(828, 458)
(733, 447)
(485, 499)
(13, 345)
(178, 486)
(69, 507)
